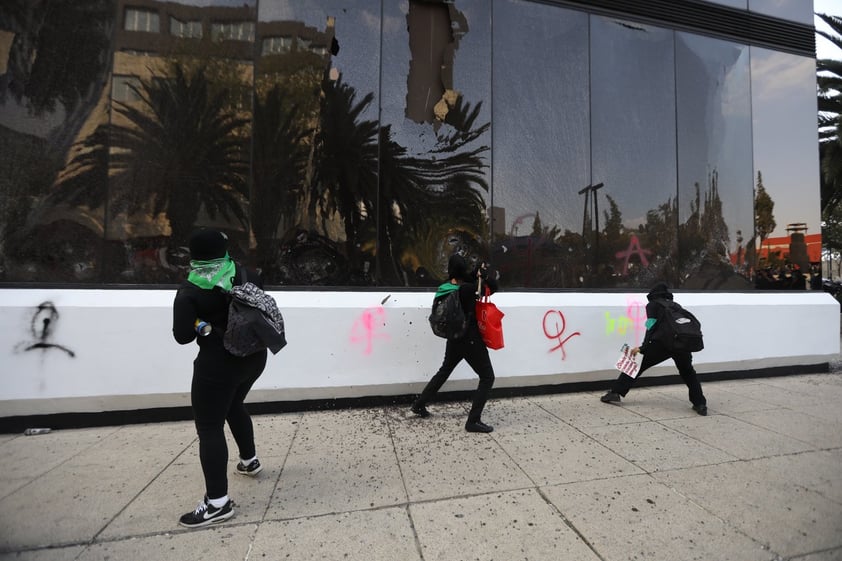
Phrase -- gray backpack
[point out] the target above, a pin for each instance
(254, 321)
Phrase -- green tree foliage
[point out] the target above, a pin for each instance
(713, 227)
(345, 152)
(279, 163)
(59, 56)
(829, 80)
(764, 207)
(659, 229)
(832, 229)
(613, 228)
(424, 199)
(540, 230)
(56, 63)
(394, 206)
(181, 151)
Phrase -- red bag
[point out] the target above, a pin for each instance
(490, 322)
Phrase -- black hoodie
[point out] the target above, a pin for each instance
(659, 292)
(655, 310)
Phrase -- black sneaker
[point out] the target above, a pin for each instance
(478, 426)
(610, 397)
(251, 470)
(206, 514)
(701, 409)
(420, 410)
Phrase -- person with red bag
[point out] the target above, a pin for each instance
(469, 346)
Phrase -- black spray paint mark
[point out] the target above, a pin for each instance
(42, 327)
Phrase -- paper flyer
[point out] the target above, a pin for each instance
(627, 364)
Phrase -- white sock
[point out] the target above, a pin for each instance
(218, 503)
(247, 462)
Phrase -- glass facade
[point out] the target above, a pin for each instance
(633, 123)
(541, 143)
(786, 162)
(353, 143)
(800, 11)
(714, 202)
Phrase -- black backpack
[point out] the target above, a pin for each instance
(448, 319)
(254, 321)
(678, 329)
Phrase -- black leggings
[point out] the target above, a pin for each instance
(217, 394)
(655, 355)
(474, 351)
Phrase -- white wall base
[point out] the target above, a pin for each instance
(357, 344)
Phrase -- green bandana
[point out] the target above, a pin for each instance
(216, 272)
(446, 288)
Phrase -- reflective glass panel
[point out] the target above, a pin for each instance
(630, 220)
(178, 141)
(787, 192)
(800, 11)
(435, 138)
(541, 143)
(315, 161)
(715, 209)
(53, 99)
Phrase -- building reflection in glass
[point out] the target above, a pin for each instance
(349, 143)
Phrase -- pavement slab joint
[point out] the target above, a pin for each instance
(757, 479)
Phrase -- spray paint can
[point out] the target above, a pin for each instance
(30, 432)
(202, 327)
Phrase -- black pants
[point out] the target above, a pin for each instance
(220, 385)
(656, 354)
(474, 351)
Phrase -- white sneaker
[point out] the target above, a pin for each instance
(251, 470)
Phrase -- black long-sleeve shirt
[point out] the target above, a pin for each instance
(192, 303)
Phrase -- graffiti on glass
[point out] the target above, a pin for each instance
(633, 249)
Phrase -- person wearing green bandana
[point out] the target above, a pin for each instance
(221, 380)
(469, 347)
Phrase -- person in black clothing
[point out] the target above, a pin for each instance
(655, 353)
(221, 380)
(469, 346)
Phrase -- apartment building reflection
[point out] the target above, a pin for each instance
(230, 47)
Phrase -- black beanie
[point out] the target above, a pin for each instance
(208, 244)
(457, 267)
(660, 291)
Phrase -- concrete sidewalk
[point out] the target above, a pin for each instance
(562, 477)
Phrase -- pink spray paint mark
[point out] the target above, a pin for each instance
(636, 312)
(365, 328)
(559, 331)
